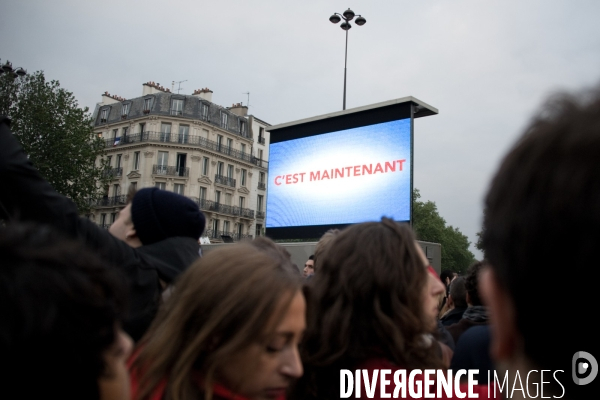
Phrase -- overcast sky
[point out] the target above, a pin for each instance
(486, 65)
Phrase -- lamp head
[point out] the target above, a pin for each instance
(360, 21)
(335, 18)
(345, 26)
(348, 14)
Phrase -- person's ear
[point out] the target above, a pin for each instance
(450, 301)
(504, 333)
(131, 237)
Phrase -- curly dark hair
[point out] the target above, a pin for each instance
(59, 307)
(472, 282)
(364, 304)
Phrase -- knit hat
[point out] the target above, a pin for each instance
(157, 215)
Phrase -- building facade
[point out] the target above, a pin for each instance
(214, 155)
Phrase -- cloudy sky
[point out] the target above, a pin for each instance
(486, 65)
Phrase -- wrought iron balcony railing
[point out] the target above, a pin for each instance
(113, 172)
(217, 235)
(260, 214)
(261, 140)
(225, 180)
(192, 140)
(209, 205)
(170, 170)
(262, 185)
(113, 201)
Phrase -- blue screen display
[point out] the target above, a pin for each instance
(343, 177)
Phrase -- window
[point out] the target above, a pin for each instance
(133, 187)
(202, 193)
(215, 227)
(118, 162)
(125, 109)
(260, 203)
(184, 131)
(163, 159)
(205, 133)
(116, 190)
(113, 217)
(217, 196)
(224, 120)
(124, 133)
(261, 177)
(260, 154)
(243, 148)
(109, 160)
(181, 169)
(219, 142)
(142, 127)
(103, 220)
(242, 202)
(178, 188)
(205, 166)
(104, 115)
(204, 111)
(258, 229)
(176, 107)
(161, 185)
(115, 133)
(228, 199)
(147, 104)
(136, 161)
(225, 227)
(261, 135)
(229, 145)
(220, 166)
(230, 171)
(243, 128)
(240, 231)
(243, 179)
(165, 132)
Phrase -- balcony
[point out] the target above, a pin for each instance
(209, 205)
(261, 140)
(191, 140)
(262, 185)
(176, 112)
(169, 170)
(113, 173)
(217, 235)
(225, 180)
(260, 214)
(114, 201)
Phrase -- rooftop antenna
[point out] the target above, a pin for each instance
(178, 86)
(248, 103)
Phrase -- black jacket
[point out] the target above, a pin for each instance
(27, 196)
(453, 316)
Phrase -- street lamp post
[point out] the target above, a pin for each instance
(347, 16)
(8, 68)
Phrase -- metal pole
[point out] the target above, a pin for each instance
(345, 63)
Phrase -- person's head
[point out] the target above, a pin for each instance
(472, 283)
(458, 293)
(323, 245)
(540, 232)
(309, 266)
(447, 276)
(235, 319)
(60, 313)
(154, 215)
(375, 288)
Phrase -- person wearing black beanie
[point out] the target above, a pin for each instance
(154, 239)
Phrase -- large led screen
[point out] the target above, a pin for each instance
(343, 177)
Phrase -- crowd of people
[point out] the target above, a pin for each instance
(136, 313)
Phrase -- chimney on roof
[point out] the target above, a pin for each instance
(239, 109)
(107, 98)
(204, 93)
(152, 87)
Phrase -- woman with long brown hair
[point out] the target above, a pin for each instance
(372, 306)
(231, 329)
